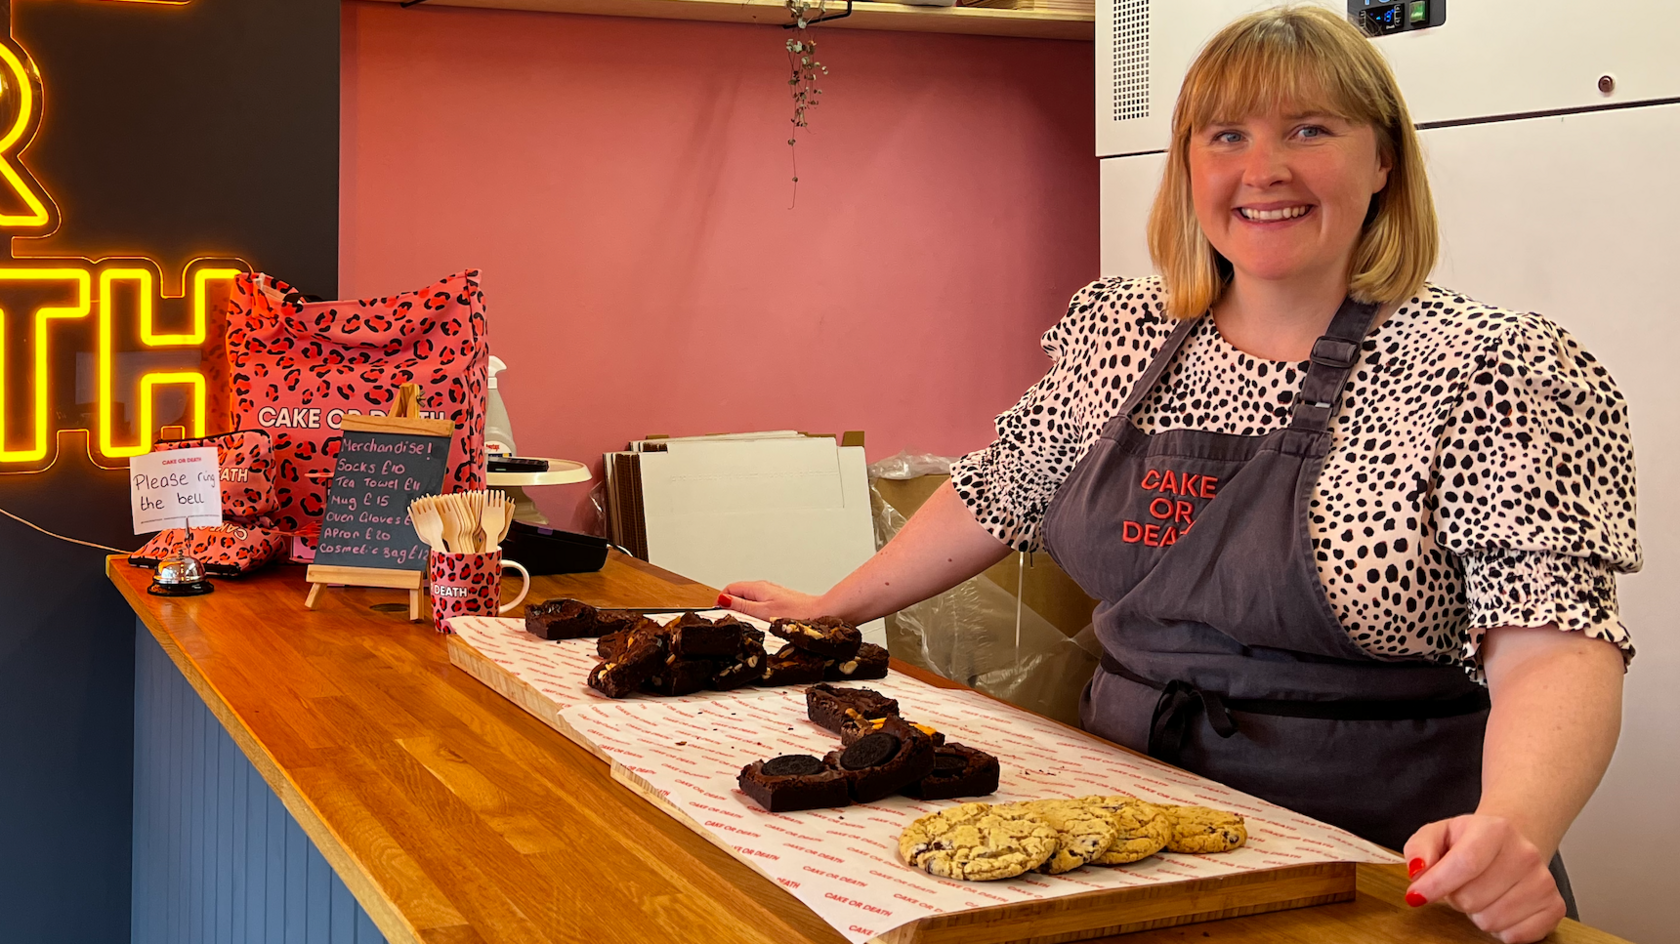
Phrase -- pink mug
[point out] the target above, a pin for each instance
(469, 585)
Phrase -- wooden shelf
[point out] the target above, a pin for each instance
(984, 21)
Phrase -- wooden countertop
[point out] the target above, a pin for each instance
(456, 818)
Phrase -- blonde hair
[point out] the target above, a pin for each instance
(1296, 57)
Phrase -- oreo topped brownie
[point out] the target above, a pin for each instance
(886, 760)
(826, 636)
(794, 782)
(958, 771)
(827, 705)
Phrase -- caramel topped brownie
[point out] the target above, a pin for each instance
(869, 663)
(561, 619)
(958, 771)
(827, 705)
(794, 782)
(886, 760)
(826, 636)
(857, 725)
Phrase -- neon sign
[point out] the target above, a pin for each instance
(105, 312)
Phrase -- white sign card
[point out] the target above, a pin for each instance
(175, 488)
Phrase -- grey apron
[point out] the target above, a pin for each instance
(1221, 652)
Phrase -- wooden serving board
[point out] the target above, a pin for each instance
(1092, 914)
(515, 689)
(1048, 921)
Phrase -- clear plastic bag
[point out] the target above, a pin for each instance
(977, 632)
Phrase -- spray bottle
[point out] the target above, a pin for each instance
(498, 434)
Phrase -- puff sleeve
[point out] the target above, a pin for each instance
(1008, 484)
(1535, 487)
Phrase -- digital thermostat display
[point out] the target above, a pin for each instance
(1381, 19)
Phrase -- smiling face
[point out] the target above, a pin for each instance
(1284, 195)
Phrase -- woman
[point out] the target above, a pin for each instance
(1355, 536)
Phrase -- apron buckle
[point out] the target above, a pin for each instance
(1335, 353)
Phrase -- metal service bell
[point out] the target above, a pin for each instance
(180, 576)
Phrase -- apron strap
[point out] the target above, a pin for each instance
(1176, 709)
(1158, 364)
(1333, 357)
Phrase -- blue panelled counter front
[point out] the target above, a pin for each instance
(216, 856)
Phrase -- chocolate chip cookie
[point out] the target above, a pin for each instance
(1083, 831)
(1141, 829)
(977, 842)
(1202, 829)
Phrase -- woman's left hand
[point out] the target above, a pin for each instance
(1485, 867)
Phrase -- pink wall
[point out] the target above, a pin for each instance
(624, 185)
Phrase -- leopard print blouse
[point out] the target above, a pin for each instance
(1481, 472)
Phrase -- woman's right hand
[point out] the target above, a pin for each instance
(769, 601)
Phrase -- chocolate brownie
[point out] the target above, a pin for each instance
(746, 668)
(826, 636)
(679, 676)
(695, 637)
(791, 666)
(869, 663)
(625, 672)
(958, 771)
(856, 726)
(561, 619)
(794, 782)
(616, 641)
(886, 760)
(827, 705)
(614, 620)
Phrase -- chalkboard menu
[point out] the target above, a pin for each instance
(381, 468)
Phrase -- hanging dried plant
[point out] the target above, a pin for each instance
(802, 83)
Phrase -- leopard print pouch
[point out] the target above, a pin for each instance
(226, 550)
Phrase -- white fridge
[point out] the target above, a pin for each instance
(1552, 132)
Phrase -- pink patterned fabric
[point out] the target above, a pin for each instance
(227, 550)
(298, 367)
(247, 465)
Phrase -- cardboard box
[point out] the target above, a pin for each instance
(1047, 589)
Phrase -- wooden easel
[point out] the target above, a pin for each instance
(404, 418)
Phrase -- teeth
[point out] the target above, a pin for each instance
(1266, 216)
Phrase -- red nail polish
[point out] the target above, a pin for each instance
(1416, 900)
(724, 600)
(1413, 868)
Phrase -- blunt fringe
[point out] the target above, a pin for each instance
(1296, 58)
